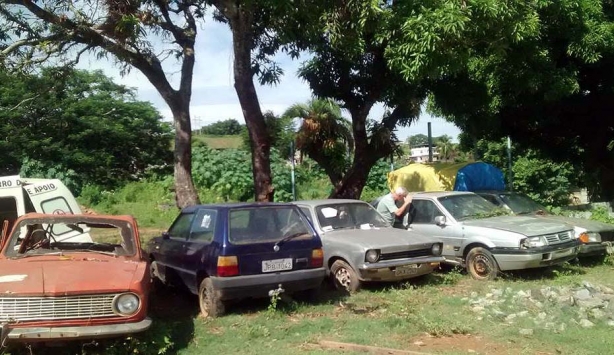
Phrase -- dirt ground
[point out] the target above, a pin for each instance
(464, 344)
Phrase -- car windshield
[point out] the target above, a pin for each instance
(522, 204)
(349, 215)
(267, 225)
(470, 206)
(40, 236)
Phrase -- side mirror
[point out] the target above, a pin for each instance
(165, 235)
(440, 220)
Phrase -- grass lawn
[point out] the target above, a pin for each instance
(430, 315)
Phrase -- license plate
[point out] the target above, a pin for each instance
(276, 265)
(406, 270)
(563, 252)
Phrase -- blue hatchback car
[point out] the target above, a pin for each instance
(236, 251)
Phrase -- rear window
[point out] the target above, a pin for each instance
(267, 225)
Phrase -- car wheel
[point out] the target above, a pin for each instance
(481, 264)
(344, 277)
(209, 301)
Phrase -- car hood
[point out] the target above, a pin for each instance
(63, 275)
(377, 238)
(526, 225)
(590, 226)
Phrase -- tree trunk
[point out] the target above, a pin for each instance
(248, 98)
(185, 192)
(355, 178)
(365, 157)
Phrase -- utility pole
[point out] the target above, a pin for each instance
(292, 174)
(430, 140)
(509, 164)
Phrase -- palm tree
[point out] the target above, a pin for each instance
(446, 148)
(324, 135)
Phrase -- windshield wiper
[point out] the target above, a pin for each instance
(288, 238)
(91, 251)
(21, 256)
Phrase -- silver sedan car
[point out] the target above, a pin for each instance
(475, 237)
(359, 245)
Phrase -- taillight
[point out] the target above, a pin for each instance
(227, 266)
(317, 258)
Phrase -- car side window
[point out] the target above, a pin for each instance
(204, 227)
(491, 199)
(424, 212)
(307, 213)
(181, 227)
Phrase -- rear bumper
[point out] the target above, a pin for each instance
(400, 269)
(516, 259)
(76, 332)
(259, 285)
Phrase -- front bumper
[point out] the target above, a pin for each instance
(253, 286)
(516, 259)
(593, 249)
(399, 269)
(31, 334)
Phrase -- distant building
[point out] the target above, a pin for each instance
(420, 154)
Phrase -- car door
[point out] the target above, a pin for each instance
(12, 202)
(422, 215)
(50, 196)
(200, 252)
(173, 244)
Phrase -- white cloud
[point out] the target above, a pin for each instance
(213, 94)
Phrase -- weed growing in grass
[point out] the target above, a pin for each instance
(255, 331)
(275, 296)
(453, 276)
(438, 326)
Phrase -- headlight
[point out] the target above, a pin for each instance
(372, 255)
(590, 237)
(436, 249)
(126, 304)
(532, 242)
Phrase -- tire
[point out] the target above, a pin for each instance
(208, 300)
(481, 265)
(344, 277)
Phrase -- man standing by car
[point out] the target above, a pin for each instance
(395, 206)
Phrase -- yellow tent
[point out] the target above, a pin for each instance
(425, 177)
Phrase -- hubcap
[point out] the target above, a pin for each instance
(343, 278)
(481, 265)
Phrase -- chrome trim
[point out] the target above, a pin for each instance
(54, 308)
(560, 237)
(77, 332)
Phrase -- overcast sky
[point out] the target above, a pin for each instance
(214, 97)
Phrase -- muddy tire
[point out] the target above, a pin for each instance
(209, 301)
(481, 265)
(344, 277)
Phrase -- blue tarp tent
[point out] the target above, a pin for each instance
(447, 177)
(479, 176)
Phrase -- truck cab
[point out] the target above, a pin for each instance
(19, 196)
